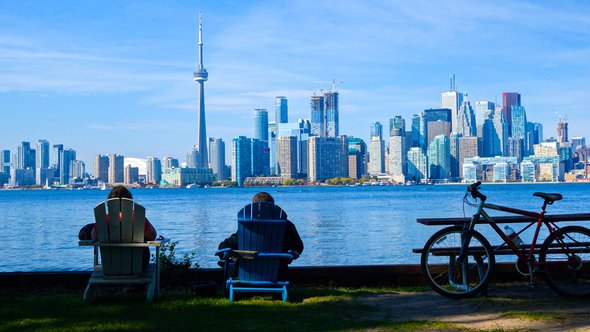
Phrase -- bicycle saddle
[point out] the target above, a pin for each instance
(550, 198)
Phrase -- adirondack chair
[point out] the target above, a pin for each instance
(121, 245)
(261, 230)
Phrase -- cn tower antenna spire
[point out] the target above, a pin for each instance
(201, 76)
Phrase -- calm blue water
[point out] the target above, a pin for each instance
(339, 225)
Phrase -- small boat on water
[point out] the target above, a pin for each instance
(192, 186)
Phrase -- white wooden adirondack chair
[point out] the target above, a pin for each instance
(121, 246)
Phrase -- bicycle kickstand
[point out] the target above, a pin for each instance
(533, 280)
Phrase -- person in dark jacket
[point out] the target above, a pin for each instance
(292, 240)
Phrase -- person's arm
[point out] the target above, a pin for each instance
(292, 239)
(149, 232)
(230, 242)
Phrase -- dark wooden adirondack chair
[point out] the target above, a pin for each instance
(121, 243)
(261, 230)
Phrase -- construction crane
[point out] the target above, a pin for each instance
(333, 82)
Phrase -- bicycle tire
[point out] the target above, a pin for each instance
(572, 278)
(445, 276)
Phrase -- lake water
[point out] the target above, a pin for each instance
(338, 225)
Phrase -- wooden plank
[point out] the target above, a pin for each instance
(102, 232)
(504, 219)
(114, 212)
(138, 236)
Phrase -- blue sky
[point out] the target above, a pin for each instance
(116, 76)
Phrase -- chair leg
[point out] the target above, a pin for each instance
(150, 290)
(284, 294)
(231, 293)
(89, 293)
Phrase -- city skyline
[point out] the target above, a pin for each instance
(116, 77)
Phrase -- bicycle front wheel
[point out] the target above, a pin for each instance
(455, 279)
(565, 261)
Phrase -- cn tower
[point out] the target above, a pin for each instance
(201, 76)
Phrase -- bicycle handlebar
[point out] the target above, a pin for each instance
(473, 189)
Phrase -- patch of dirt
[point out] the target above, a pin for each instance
(506, 307)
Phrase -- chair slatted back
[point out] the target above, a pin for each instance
(261, 228)
(120, 221)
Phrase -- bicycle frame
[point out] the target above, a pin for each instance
(523, 255)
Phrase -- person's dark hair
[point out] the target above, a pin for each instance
(263, 197)
(120, 192)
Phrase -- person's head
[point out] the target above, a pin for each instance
(120, 192)
(263, 197)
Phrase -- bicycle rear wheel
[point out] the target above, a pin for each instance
(565, 261)
(450, 278)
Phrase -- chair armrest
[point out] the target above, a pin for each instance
(294, 253)
(224, 253)
(87, 243)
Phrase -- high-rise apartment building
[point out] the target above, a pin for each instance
(397, 155)
(518, 122)
(217, 156)
(562, 135)
(260, 157)
(169, 162)
(101, 168)
(417, 165)
(327, 158)
(55, 160)
(436, 128)
(131, 174)
(153, 170)
(468, 148)
(67, 158)
(42, 162)
(516, 147)
(500, 133)
(485, 126)
(261, 124)
(281, 110)
(301, 130)
(318, 116)
(192, 158)
(272, 146)
(287, 156)
(5, 161)
(454, 155)
(201, 76)
(357, 160)
(116, 169)
(439, 158)
(376, 150)
(25, 156)
(397, 122)
(331, 107)
(78, 169)
(241, 161)
(509, 99)
(418, 131)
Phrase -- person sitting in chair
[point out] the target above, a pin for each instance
(291, 241)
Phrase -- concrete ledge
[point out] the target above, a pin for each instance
(350, 275)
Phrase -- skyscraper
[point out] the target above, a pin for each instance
(116, 169)
(331, 107)
(318, 116)
(217, 156)
(153, 170)
(192, 158)
(261, 124)
(201, 76)
(500, 133)
(417, 166)
(468, 148)
(509, 99)
(327, 158)
(376, 150)
(281, 110)
(357, 162)
(562, 131)
(518, 122)
(438, 158)
(56, 158)
(42, 162)
(397, 155)
(5, 161)
(67, 158)
(287, 156)
(452, 100)
(241, 159)
(466, 120)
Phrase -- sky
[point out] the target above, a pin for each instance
(106, 77)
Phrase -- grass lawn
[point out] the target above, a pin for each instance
(309, 309)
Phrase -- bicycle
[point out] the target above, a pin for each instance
(458, 261)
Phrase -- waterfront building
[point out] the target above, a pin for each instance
(376, 150)
(181, 177)
(327, 158)
(562, 134)
(200, 77)
(153, 170)
(331, 107)
(540, 169)
(42, 162)
(439, 158)
(301, 130)
(466, 120)
(21, 177)
(357, 158)
(417, 165)
(25, 157)
(55, 160)
(272, 146)
(518, 123)
(67, 157)
(5, 161)
(116, 169)
(536, 130)
(169, 162)
(452, 100)
(260, 124)
(397, 155)
(566, 157)
(287, 157)
(468, 148)
(281, 110)
(217, 158)
(490, 169)
(318, 116)
(546, 149)
(4, 178)
(509, 99)
(101, 168)
(241, 162)
(436, 128)
(78, 169)
(131, 174)
(192, 157)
